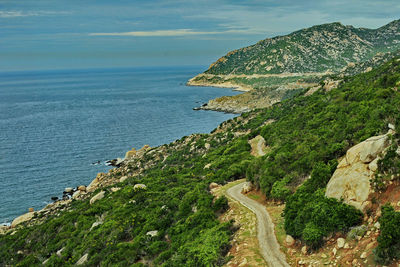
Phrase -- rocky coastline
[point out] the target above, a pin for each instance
(82, 192)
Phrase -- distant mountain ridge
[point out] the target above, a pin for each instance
(276, 68)
(326, 47)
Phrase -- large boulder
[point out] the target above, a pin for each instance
(23, 218)
(351, 180)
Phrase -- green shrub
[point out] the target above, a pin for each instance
(279, 189)
(389, 239)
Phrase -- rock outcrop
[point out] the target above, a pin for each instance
(351, 180)
(23, 218)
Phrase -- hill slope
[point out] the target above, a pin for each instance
(327, 47)
(275, 68)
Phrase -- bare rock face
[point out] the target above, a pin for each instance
(351, 178)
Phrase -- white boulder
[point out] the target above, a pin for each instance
(98, 196)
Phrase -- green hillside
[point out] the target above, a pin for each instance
(173, 221)
(327, 47)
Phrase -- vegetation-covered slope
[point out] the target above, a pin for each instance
(173, 221)
(276, 68)
(316, 49)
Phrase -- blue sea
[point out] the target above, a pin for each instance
(55, 124)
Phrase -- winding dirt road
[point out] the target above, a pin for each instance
(269, 247)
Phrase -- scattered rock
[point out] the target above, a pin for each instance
(77, 194)
(95, 183)
(59, 252)
(82, 188)
(82, 260)
(139, 186)
(363, 255)
(97, 197)
(341, 242)
(152, 233)
(334, 251)
(346, 246)
(324, 256)
(207, 146)
(370, 246)
(247, 187)
(115, 189)
(243, 263)
(213, 185)
(4, 229)
(207, 166)
(130, 154)
(97, 223)
(289, 240)
(68, 190)
(123, 179)
(377, 225)
(304, 250)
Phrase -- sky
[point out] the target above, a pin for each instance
(72, 34)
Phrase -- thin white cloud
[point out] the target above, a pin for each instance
(16, 14)
(169, 33)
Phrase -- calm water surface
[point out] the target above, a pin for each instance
(55, 124)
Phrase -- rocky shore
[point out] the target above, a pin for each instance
(258, 91)
(84, 192)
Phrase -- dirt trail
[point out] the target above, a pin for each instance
(269, 246)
